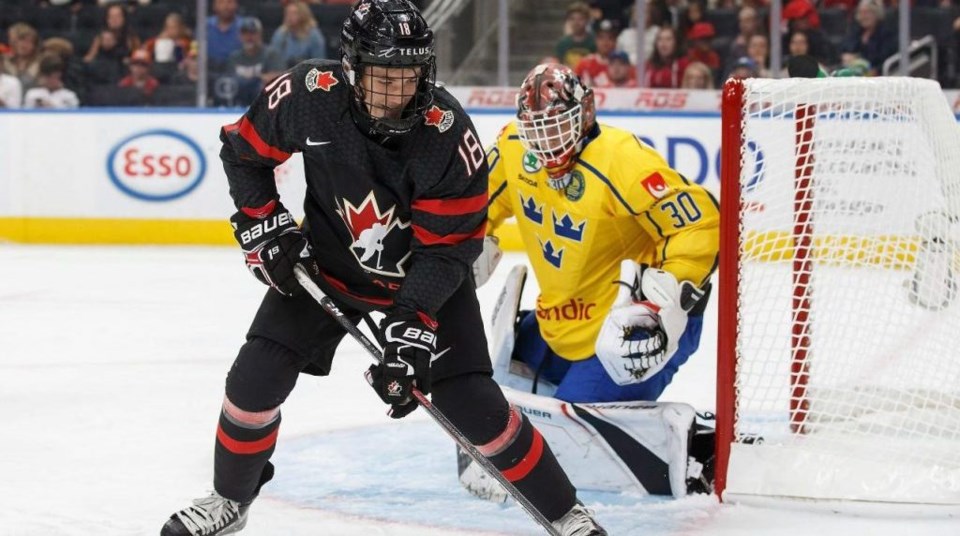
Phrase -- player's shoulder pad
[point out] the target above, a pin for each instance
(445, 118)
(622, 156)
(306, 81)
(508, 133)
(630, 147)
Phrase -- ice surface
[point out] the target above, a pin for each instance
(112, 364)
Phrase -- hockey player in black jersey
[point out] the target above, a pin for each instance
(395, 216)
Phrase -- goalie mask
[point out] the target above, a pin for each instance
(388, 59)
(555, 111)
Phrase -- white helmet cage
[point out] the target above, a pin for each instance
(554, 113)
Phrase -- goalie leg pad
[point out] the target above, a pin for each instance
(475, 404)
(639, 447)
(503, 322)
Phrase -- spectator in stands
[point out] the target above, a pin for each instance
(74, 75)
(140, 78)
(802, 15)
(116, 22)
(579, 42)
(298, 38)
(744, 68)
(11, 91)
(855, 66)
(674, 12)
(188, 72)
(592, 69)
(699, 38)
(223, 34)
(869, 38)
(748, 24)
(697, 76)
(24, 62)
(758, 49)
(254, 65)
(49, 92)
(620, 72)
(627, 40)
(693, 15)
(666, 65)
(107, 66)
(798, 44)
(172, 43)
(612, 10)
(846, 5)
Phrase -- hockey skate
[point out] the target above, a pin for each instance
(208, 516)
(578, 522)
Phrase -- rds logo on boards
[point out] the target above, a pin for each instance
(156, 165)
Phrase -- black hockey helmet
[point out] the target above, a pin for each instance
(388, 33)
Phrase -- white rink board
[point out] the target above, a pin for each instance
(94, 164)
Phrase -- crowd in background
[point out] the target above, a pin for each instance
(66, 53)
(697, 44)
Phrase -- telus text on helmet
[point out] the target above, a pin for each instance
(393, 51)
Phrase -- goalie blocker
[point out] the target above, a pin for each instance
(655, 448)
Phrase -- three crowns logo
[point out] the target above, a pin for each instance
(566, 227)
(532, 210)
(554, 257)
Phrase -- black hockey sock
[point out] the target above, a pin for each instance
(525, 459)
(241, 457)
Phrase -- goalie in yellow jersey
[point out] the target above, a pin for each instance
(585, 197)
(623, 248)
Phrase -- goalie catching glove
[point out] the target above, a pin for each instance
(643, 328)
(272, 245)
(409, 348)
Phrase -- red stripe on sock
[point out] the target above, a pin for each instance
(506, 438)
(247, 447)
(529, 461)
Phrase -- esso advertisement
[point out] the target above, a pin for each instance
(156, 165)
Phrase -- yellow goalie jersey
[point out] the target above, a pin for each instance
(623, 201)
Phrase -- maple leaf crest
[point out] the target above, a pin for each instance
(437, 117)
(368, 228)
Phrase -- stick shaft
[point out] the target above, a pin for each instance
(330, 307)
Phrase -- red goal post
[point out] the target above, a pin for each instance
(838, 358)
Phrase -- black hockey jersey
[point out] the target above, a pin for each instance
(392, 221)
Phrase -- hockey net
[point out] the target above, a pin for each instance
(839, 365)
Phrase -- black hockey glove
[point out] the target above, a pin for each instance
(410, 346)
(272, 244)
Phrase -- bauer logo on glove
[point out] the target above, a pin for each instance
(272, 245)
(410, 347)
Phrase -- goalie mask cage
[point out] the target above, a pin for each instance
(839, 337)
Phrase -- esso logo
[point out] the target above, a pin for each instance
(156, 165)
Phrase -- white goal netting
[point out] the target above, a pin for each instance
(848, 326)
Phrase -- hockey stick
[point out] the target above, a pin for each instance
(329, 306)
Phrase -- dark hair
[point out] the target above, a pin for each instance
(123, 34)
(50, 63)
(655, 59)
(791, 33)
